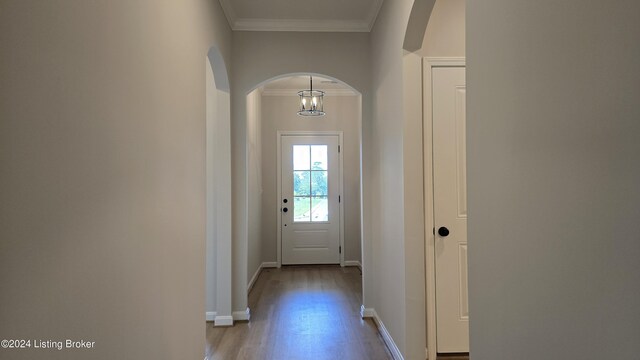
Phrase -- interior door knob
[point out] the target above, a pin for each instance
(285, 209)
(443, 231)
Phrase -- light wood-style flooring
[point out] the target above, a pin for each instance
(301, 313)
(453, 357)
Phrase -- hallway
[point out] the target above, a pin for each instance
(301, 312)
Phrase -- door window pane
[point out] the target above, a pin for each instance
(319, 157)
(319, 209)
(301, 157)
(301, 208)
(319, 186)
(310, 183)
(302, 183)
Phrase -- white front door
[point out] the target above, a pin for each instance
(450, 208)
(309, 208)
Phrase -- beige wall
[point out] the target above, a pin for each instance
(342, 114)
(256, 235)
(102, 187)
(218, 183)
(445, 35)
(553, 174)
(397, 233)
(211, 212)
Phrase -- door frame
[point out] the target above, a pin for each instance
(428, 63)
(278, 208)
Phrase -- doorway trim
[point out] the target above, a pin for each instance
(279, 187)
(428, 63)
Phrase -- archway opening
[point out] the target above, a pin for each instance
(271, 114)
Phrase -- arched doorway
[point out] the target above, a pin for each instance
(271, 112)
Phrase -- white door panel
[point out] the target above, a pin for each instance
(450, 208)
(310, 212)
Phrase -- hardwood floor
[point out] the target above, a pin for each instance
(301, 313)
(453, 357)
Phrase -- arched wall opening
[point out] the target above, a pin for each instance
(343, 56)
(218, 191)
(271, 107)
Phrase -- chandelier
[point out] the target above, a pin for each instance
(311, 101)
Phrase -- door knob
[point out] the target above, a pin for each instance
(443, 231)
(285, 209)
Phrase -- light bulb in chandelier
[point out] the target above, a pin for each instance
(315, 100)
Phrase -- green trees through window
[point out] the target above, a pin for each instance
(310, 183)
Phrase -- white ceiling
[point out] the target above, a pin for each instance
(292, 84)
(301, 15)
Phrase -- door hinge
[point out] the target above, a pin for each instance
(338, 148)
(339, 199)
(340, 249)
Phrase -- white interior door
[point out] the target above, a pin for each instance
(310, 189)
(450, 208)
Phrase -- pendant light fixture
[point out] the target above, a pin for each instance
(311, 101)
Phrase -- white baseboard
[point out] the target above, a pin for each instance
(353, 263)
(388, 340)
(210, 316)
(367, 312)
(223, 321)
(254, 278)
(228, 320)
(242, 315)
(395, 352)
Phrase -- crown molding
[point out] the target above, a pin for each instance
(300, 25)
(228, 11)
(294, 92)
(373, 14)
